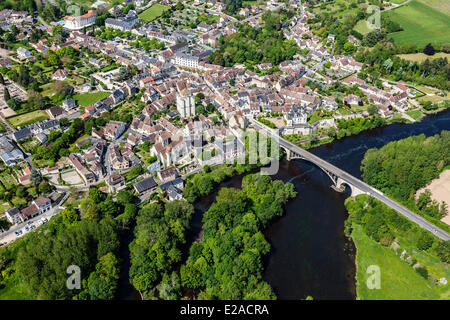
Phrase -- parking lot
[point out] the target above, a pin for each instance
(30, 226)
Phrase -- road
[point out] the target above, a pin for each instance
(348, 178)
(217, 13)
(9, 235)
(43, 22)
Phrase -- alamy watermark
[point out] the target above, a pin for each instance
(374, 279)
(74, 280)
(373, 22)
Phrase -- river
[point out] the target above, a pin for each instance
(310, 254)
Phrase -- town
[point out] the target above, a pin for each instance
(154, 107)
(128, 131)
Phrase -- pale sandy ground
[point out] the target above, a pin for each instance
(72, 178)
(440, 191)
(278, 122)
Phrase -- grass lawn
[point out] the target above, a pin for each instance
(415, 114)
(421, 24)
(155, 11)
(86, 99)
(28, 118)
(420, 57)
(398, 279)
(362, 27)
(435, 98)
(3, 207)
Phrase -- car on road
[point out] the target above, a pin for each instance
(32, 227)
(44, 220)
(27, 228)
(18, 233)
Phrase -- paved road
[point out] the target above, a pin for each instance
(364, 187)
(9, 235)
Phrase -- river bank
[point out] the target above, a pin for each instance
(310, 253)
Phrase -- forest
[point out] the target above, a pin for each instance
(156, 250)
(88, 238)
(227, 262)
(402, 167)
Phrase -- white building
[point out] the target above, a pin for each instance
(186, 60)
(23, 53)
(185, 105)
(77, 23)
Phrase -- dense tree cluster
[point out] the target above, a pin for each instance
(354, 126)
(41, 259)
(382, 61)
(252, 46)
(59, 142)
(155, 251)
(227, 263)
(402, 167)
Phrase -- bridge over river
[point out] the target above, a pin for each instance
(340, 178)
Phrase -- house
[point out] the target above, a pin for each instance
(186, 60)
(55, 112)
(23, 53)
(43, 204)
(123, 23)
(80, 22)
(13, 215)
(60, 74)
(203, 27)
(244, 12)
(352, 99)
(146, 185)
(9, 152)
(115, 182)
(29, 212)
(87, 175)
(22, 133)
(168, 174)
(114, 129)
(173, 188)
(69, 104)
(178, 47)
(41, 137)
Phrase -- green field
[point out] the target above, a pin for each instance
(421, 23)
(398, 279)
(415, 114)
(362, 27)
(155, 11)
(421, 57)
(28, 118)
(86, 99)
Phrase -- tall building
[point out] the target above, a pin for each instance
(185, 104)
(79, 22)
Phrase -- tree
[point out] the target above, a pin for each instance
(124, 197)
(6, 94)
(45, 187)
(425, 241)
(429, 49)
(35, 177)
(443, 251)
(96, 195)
(102, 283)
(372, 109)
